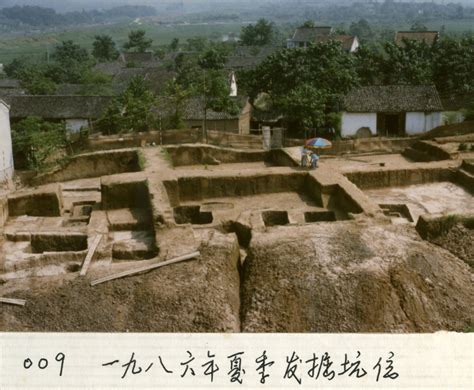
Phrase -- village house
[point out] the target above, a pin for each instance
(247, 57)
(194, 116)
(304, 36)
(348, 43)
(76, 111)
(393, 110)
(10, 87)
(428, 37)
(6, 149)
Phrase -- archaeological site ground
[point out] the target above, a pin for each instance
(376, 240)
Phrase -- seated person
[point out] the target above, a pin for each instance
(314, 160)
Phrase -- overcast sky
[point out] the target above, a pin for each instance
(65, 5)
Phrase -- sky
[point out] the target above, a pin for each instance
(68, 5)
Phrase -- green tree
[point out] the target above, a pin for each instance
(176, 96)
(453, 65)
(38, 144)
(197, 44)
(368, 64)
(212, 59)
(308, 24)
(71, 61)
(132, 111)
(104, 48)
(362, 30)
(137, 41)
(316, 77)
(212, 87)
(411, 64)
(36, 82)
(260, 34)
(418, 26)
(174, 45)
(14, 68)
(95, 83)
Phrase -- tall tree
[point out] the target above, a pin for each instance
(174, 45)
(104, 48)
(131, 111)
(453, 65)
(177, 96)
(300, 81)
(71, 61)
(362, 30)
(212, 87)
(137, 41)
(260, 34)
(212, 59)
(411, 63)
(37, 143)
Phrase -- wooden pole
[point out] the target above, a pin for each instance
(145, 268)
(90, 255)
(11, 301)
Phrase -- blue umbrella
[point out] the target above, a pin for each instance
(318, 143)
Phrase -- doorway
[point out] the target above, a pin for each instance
(391, 124)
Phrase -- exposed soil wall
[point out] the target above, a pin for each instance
(399, 177)
(204, 154)
(93, 165)
(341, 277)
(117, 194)
(195, 296)
(367, 145)
(198, 188)
(134, 140)
(239, 141)
(3, 211)
(35, 203)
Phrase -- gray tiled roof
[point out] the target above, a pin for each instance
(308, 34)
(429, 37)
(393, 98)
(58, 107)
(194, 109)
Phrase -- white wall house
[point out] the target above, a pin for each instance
(6, 149)
(393, 110)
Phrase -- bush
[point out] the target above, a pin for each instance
(38, 144)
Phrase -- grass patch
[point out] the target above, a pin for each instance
(469, 328)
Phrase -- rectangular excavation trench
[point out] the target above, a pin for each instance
(204, 155)
(203, 200)
(414, 192)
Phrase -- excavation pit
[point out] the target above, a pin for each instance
(431, 198)
(193, 215)
(275, 218)
(223, 159)
(396, 211)
(227, 197)
(91, 165)
(58, 242)
(319, 216)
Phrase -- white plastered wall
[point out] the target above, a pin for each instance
(353, 121)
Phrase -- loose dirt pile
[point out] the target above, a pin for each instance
(342, 277)
(459, 240)
(195, 296)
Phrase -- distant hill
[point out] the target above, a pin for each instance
(36, 16)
